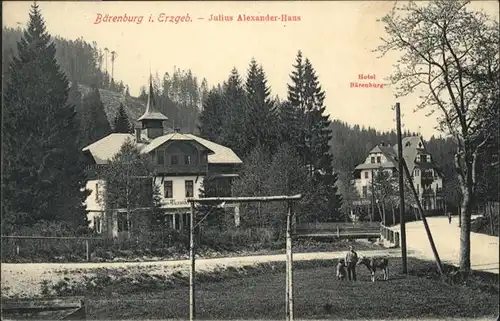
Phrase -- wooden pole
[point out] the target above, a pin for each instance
(401, 191)
(87, 250)
(372, 198)
(289, 262)
(422, 215)
(192, 309)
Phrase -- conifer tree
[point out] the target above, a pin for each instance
(43, 176)
(121, 121)
(233, 131)
(212, 116)
(143, 96)
(260, 114)
(95, 123)
(307, 97)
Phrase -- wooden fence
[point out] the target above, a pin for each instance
(339, 230)
(15, 246)
(390, 235)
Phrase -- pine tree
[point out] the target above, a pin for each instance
(95, 122)
(212, 116)
(75, 99)
(143, 96)
(289, 124)
(307, 97)
(43, 176)
(233, 131)
(121, 121)
(260, 115)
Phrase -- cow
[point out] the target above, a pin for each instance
(375, 263)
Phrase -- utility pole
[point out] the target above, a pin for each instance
(106, 50)
(113, 57)
(372, 217)
(401, 190)
(192, 306)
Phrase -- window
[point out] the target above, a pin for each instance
(177, 221)
(160, 157)
(366, 174)
(187, 159)
(122, 222)
(189, 189)
(175, 160)
(418, 158)
(417, 172)
(168, 189)
(372, 159)
(97, 224)
(96, 192)
(185, 221)
(365, 191)
(418, 189)
(378, 159)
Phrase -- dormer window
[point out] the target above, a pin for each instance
(418, 159)
(187, 159)
(372, 159)
(378, 159)
(175, 160)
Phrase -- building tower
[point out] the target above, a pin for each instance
(152, 119)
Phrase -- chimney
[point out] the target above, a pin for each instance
(382, 143)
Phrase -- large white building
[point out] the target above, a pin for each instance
(426, 177)
(181, 161)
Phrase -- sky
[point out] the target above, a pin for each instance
(337, 36)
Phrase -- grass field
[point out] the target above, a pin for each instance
(317, 295)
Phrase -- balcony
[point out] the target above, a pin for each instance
(180, 169)
(426, 178)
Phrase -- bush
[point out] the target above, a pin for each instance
(46, 248)
(238, 239)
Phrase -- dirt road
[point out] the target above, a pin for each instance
(484, 248)
(25, 279)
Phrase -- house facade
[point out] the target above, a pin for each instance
(181, 163)
(427, 178)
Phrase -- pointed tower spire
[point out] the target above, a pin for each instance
(152, 119)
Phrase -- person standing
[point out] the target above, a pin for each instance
(449, 218)
(351, 259)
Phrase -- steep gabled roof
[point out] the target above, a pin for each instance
(104, 149)
(157, 142)
(410, 146)
(222, 155)
(387, 151)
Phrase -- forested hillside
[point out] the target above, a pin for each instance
(179, 94)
